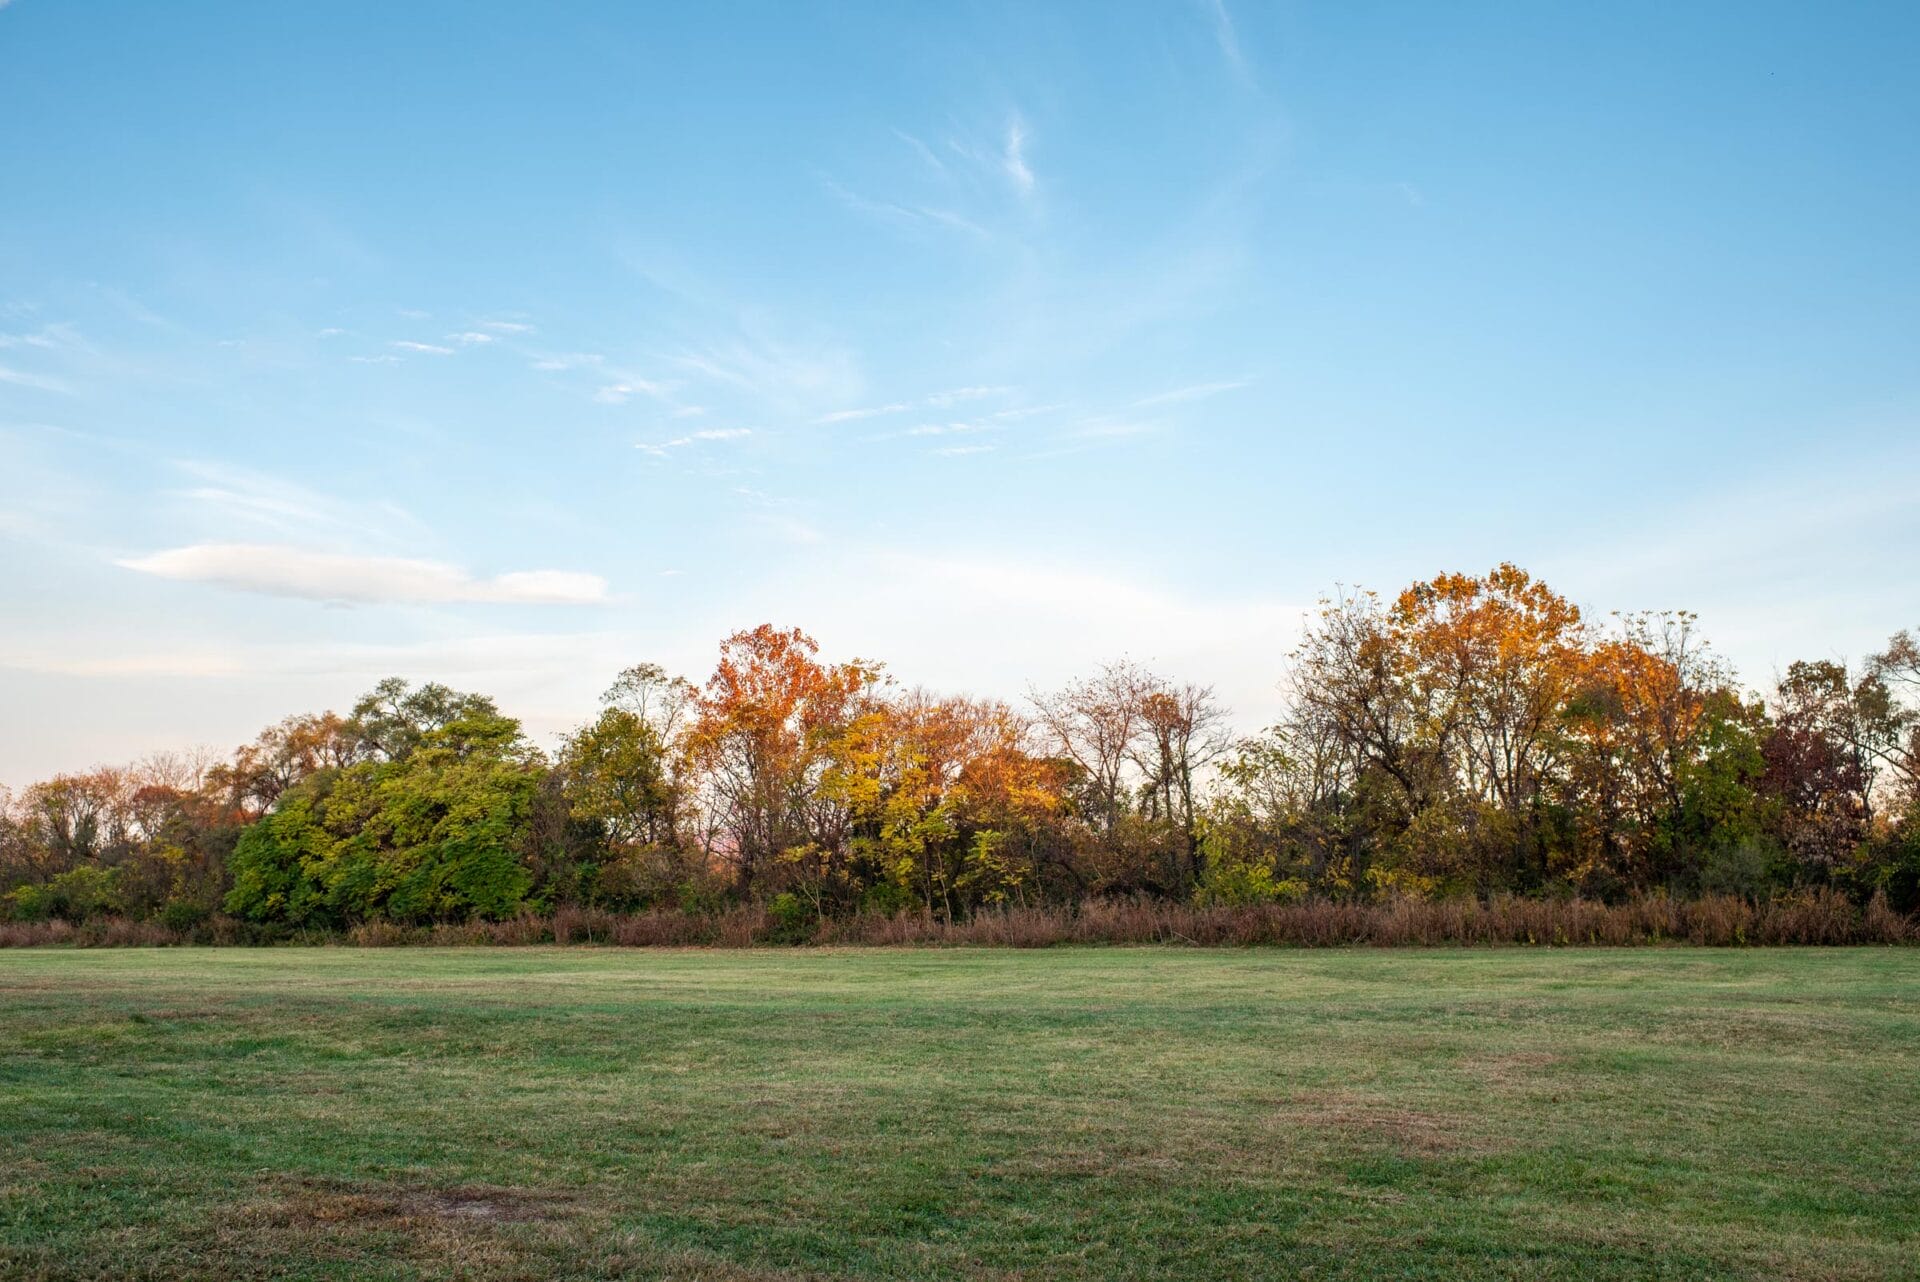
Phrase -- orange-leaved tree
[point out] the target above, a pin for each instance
(767, 728)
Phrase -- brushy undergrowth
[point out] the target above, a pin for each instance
(1814, 918)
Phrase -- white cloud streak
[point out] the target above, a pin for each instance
(621, 393)
(283, 570)
(954, 395)
(1107, 430)
(911, 215)
(659, 449)
(20, 378)
(847, 416)
(1227, 38)
(568, 360)
(1198, 391)
(1014, 158)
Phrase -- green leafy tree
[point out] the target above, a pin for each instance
(434, 828)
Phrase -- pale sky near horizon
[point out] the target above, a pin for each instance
(508, 345)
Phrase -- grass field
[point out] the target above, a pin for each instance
(1096, 1113)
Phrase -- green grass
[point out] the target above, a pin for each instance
(1100, 1113)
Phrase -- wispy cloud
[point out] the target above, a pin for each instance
(507, 327)
(792, 367)
(489, 658)
(873, 411)
(1081, 435)
(231, 495)
(938, 400)
(20, 378)
(1014, 158)
(926, 153)
(965, 191)
(787, 376)
(892, 211)
(997, 421)
(620, 393)
(64, 662)
(568, 360)
(256, 499)
(1227, 38)
(425, 349)
(660, 448)
(1028, 411)
(789, 529)
(1195, 392)
(52, 487)
(47, 338)
(949, 429)
(59, 342)
(954, 395)
(1108, 430)
(282, 570)
(470, 338)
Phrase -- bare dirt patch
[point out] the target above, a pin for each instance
(471, 1230)
(398, 1207)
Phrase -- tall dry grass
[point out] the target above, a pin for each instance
(1822, 917)
(1815, 917)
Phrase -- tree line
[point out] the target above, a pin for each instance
(1472, 736)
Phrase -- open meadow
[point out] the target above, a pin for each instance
(1072, 1113)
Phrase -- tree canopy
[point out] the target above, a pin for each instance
(1472, 735)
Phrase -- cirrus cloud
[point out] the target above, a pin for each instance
(282, 570)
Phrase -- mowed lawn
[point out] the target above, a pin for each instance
(1093, 1113)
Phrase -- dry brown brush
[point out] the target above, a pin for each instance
(1820, 917)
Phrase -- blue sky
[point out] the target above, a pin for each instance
(510, 344)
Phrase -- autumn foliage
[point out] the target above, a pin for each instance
(1473, 740)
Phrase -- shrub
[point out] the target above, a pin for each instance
(887, 899)
(75, 895)
(1238, 885)
(183, 915)
(790, 919)
(1748, 869)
